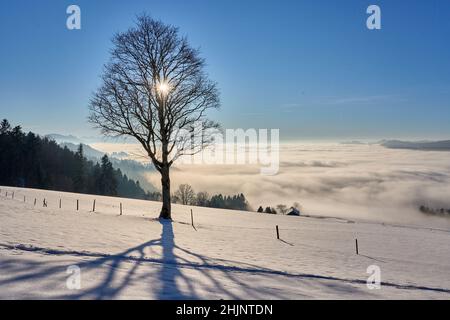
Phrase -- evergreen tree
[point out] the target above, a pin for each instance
(79, 183)
(107, 183)
(5, 127)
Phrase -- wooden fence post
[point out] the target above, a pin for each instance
(78, 204)
(60, 203)
(278, 233)
(35, 201)
(356, 243)
(192, 220)
(24, 200)
(121, 208)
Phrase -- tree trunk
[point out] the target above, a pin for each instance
(166, 210)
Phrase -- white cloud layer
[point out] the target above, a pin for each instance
(353, 181)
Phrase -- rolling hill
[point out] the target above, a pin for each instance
(228, 255)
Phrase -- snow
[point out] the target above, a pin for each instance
(229, 254)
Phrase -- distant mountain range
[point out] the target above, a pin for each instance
(353, 142)
(443, 145)
(59, 138)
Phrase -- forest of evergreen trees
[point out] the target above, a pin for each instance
(235, 202)
(27, 160)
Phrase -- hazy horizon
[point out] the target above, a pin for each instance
(98, 138)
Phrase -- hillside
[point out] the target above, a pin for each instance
(231, 254)
(89, 152)
(27, 160)
(133, 169)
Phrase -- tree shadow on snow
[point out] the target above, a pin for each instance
(179, 272)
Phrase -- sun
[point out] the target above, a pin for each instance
(163, 88)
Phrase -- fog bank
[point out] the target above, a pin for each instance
(352, 181)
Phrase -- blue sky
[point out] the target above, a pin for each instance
(310, 68)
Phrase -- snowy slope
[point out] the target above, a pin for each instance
(230, 254)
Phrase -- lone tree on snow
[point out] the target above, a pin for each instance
(155, 89)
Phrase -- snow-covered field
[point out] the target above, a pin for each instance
(230, 254)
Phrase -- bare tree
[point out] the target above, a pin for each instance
(202, 199)
(185, 194)
(155, 89)
(282, 208)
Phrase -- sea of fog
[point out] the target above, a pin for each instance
(368, 182)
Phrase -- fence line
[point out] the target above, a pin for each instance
(45, 204)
